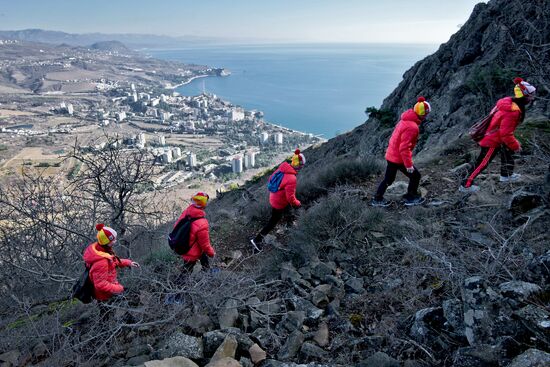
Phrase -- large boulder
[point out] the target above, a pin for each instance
(481, 309)
(228, 314)
(183, 345)
(292, 321)
(426, 322)
(289, 272)
(522, 202)
(291, 347)
(138, 360)
(172, 362)
(320, 294)
(479, 356)
(538, 269)
(213, 339)
(311, 352)
(320, 270)
(518, 290)
(531, 358)
(257, 354)
(10, 358)
(199, 323)
(354, 285)
(536, 318)
(321, 336)
(226, 349)
(137, 350)
(379, 359)
(224, 362)
(454, 316)
(313, 314)
(266, 338)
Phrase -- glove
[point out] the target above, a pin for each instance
(134, 264)
(410, 169)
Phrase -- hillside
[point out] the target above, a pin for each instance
(85, 39)
(462, 281)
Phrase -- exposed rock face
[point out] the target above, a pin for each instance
(463, 79)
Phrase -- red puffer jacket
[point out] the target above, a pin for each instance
(103, 274)
(403, 139)
(199, 238)
(502, 126)
(287, 190)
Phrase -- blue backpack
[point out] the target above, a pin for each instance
(275, 181)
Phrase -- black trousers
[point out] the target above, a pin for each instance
(276, 216)
(389, 178)
(188, 265)
(485, 157)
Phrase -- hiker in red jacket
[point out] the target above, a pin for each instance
(102, 262)
(399, 155)
(499, 137)
(199, 238)
(284, 197)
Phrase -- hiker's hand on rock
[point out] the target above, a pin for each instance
(134, 264)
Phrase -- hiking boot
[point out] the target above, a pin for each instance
(418, 200)
(380, 203)
(256, 246)
(512, 178)
(468, 190)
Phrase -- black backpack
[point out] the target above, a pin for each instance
(178, 239)
(83, 289)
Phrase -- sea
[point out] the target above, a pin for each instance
(322, 89)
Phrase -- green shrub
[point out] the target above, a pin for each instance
(162, 255)
(313, 184)
(491, 82)
(385, 116)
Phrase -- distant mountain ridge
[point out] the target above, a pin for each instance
(86, 39)
(110, 46)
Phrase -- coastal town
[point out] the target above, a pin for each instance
(52, 101)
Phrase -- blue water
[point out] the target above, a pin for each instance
(321, 89)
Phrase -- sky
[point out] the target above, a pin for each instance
(387, 21)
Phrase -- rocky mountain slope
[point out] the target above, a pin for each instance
(462, 281)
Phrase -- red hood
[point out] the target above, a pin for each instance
(93, 254)
(287, 168)
(194, 212)
(506, 104)
(410, 115)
